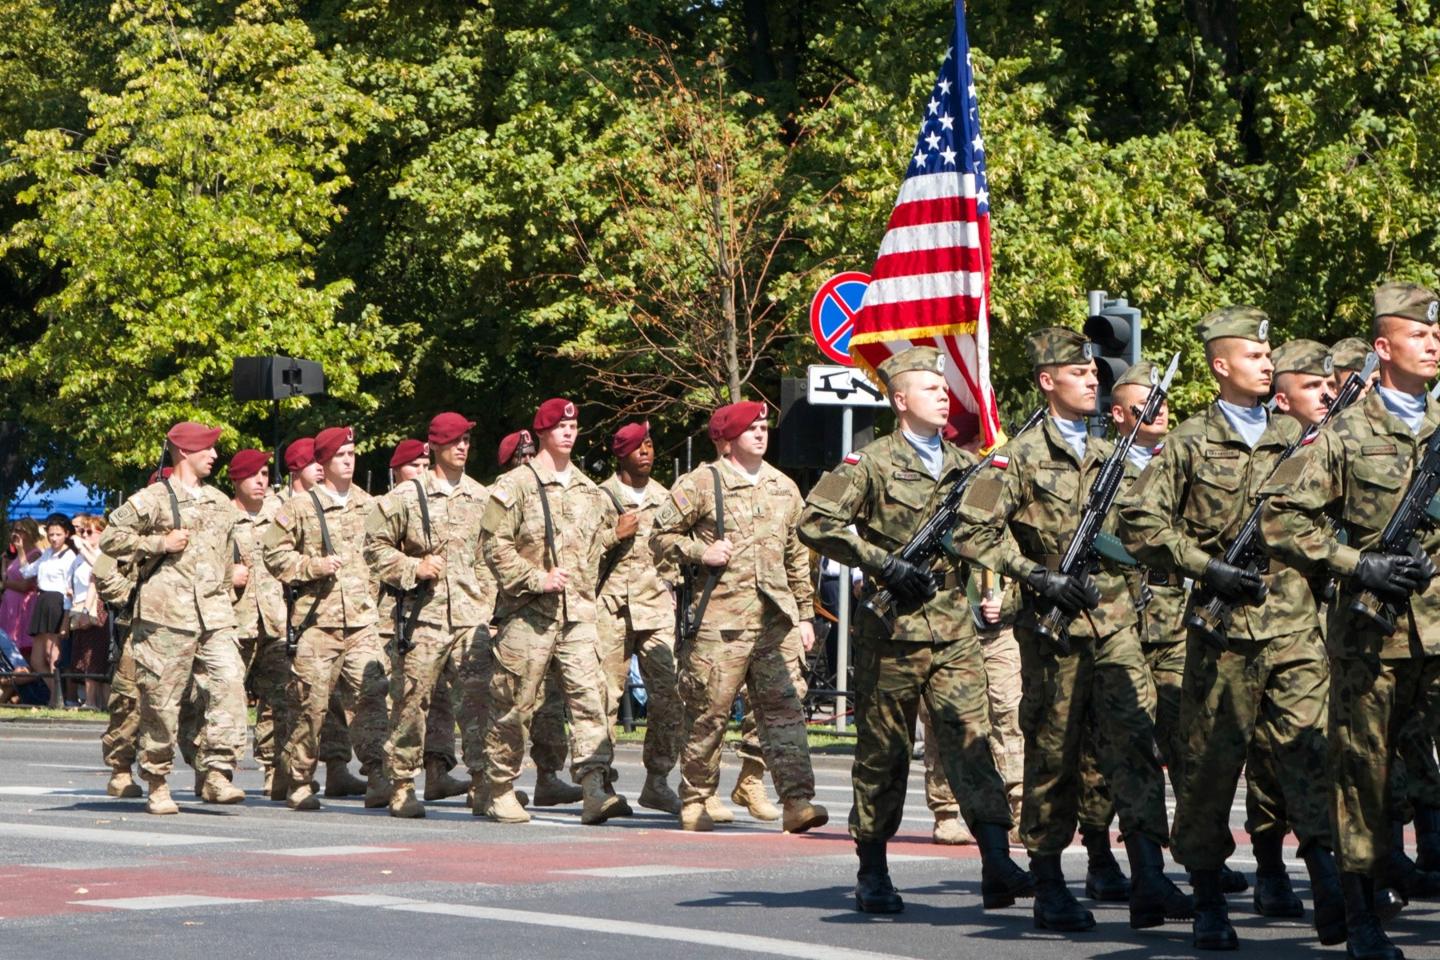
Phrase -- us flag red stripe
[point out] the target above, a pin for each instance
(931, 281)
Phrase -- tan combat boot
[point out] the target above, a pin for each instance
(122, 784)
(404, 803)
(600, 803)
(717, 811)
(159, 801)
(438, 782)
(657, 795)
(340, 782)
(801, 814)
(695, 818)
(217, 788)
(750, 792)
(378, 790)
(503, 806)
(950, 830)
(303, 798)
(551, 791)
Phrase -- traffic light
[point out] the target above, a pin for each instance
(1114, 328)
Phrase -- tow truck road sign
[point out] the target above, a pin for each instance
(836, 386)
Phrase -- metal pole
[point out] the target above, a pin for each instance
(842, 603)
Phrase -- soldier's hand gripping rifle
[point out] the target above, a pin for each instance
(929, 540)
(1400, 539)
(1054, 617)
(409, 602)
(1211, 612)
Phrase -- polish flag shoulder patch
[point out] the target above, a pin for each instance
(1000, 461)
(853, 458)
(1306, 441)
(1158, 447)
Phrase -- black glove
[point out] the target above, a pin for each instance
(907, 582)
(1391, 577)
(1234, 584)
(1070, 592)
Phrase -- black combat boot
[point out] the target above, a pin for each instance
(1365, 939)
(1399, 872)
(1055, 906)
(1274, 897)
(1325, 889)
(874, 893)
(1211, 928)
(1427, 838)
(1232, 881)
(1002, 880)
(1104, 880)
(1153, 897)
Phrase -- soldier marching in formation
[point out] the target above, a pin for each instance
(1310, 663)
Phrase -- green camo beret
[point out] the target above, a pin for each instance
(915, 358)
(1248, 322)
(1303, 356)
(1054, 345)
(1350, 353)
(1142, 374)
(1408, 300)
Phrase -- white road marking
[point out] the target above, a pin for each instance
(642, 870)
(891, 858)
(124, 838)
(367, 900)
(336, 851)
(51, 792)
(171, 902)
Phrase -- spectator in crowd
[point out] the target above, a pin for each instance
(51, 571)
(89, 636)
(17, 683)
(20, 590)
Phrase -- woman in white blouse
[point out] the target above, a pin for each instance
(51, 571)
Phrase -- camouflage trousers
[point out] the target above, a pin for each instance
(717, 663)
(549, 744)
(793, 650)
(1001, 654)
(440, 719)
(1100, 689)
(1277, 687)
(548, 740)
(1265, 800)
(327, 660)
(1414, 776)
(525, 649)
(1371, 700)
(1165, 665)
(664, 715)
(121, 741)
(891, 678)
(267, 672)
(415, 718)
(165, 660)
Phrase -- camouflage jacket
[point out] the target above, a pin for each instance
(1036, 489)
(1163, 619)
(189, 590)
(634, 581)
(293, 545)
(884, 490)
(1190, 502)
(513, 540)
(768, 561)
(1354, 474)
(395, 543)
(262, 602)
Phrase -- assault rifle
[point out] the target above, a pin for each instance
(930, 539)
(1399, 536)
(1210, 614)
(1053, 625)
(292, 637)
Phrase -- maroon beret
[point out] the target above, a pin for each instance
(511, 443)
(552, 411)
(246, 463)
(300, 454)
(329, 441)
(733, 419)
(406, 451)
(189, 436)
(448, 427)
(628, 438)
(157, 475)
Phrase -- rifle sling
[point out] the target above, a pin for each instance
(552, 557)
(712, 576)
(407, 606)
(612, 556)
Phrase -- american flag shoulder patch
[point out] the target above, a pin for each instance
(853, 458)
(1000, 461)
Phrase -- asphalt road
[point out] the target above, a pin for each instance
(87, 875)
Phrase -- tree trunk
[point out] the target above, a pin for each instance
(727, 299)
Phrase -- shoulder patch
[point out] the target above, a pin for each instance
(1000, 461)
(500, 495)
(854, 457)
(681, 501)
(282, 518)
(984, 494)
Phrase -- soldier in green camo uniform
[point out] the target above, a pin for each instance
(1349, 357)
(1180, 517)
(1035, 493)
(120, 742)
(862, 514)
(1349, 482)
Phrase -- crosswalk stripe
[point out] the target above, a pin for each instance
(170, 902)
(640, 870)
(124, 838)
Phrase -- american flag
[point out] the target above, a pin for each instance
(931, 282)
